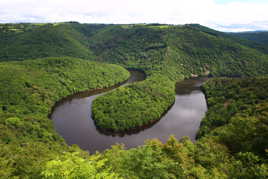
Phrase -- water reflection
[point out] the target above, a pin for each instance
(72, 120)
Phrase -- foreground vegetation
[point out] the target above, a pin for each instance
(238, 114)
(232, 136)
(232, 144)
(135, 105)
(28, 91)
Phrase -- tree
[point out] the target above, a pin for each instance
(71, 165)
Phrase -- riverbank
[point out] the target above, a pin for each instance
(84, 94)
(135, 105)
(28, 91)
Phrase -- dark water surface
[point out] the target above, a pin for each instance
(72, 118)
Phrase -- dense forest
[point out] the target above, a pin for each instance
(28, 91)
(232, 141)
(135, 105)
(175, 51)
(260, 37)
(255, 39)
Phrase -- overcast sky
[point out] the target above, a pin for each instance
(224, 15)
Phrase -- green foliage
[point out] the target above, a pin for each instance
(233, 144)
(175, 159)
(255, 39)
(33, 86)
(233, 135)
(175, 51)
(28, 91)
(14, 122)
(178, 51)
(257, 36)
(45, 40)
(71, 165)
(135, 105)
(238, 114)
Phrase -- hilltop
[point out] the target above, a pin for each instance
(255, 39)
(260, 37)
(174, 50)
(232, 137)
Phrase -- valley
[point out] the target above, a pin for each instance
(73, 119)
(55, 76)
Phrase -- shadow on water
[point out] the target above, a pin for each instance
(135, 76)
(73, 121)
(188, 86)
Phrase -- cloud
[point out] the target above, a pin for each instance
(222, 16)
(254, 26)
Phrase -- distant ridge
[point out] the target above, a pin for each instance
(176, 50)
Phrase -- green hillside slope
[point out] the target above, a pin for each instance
(27, 41)
(28, 91)
(256, 36)
(172, 51)
(233, 143)
(233, 135)
(255, 39)
(175, 51)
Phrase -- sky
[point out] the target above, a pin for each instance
(223, 15)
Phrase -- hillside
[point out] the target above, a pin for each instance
(233, 136)
(28, 91)
(254, 39)
(172, 51)
(175, 51)
(26, 41)
(260, 37)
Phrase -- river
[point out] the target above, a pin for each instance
(72, 118)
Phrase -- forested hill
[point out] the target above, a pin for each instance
(255, 39)
(176, 51)
(256, 36)
(233, 136)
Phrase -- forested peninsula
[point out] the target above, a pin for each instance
(42, 63)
